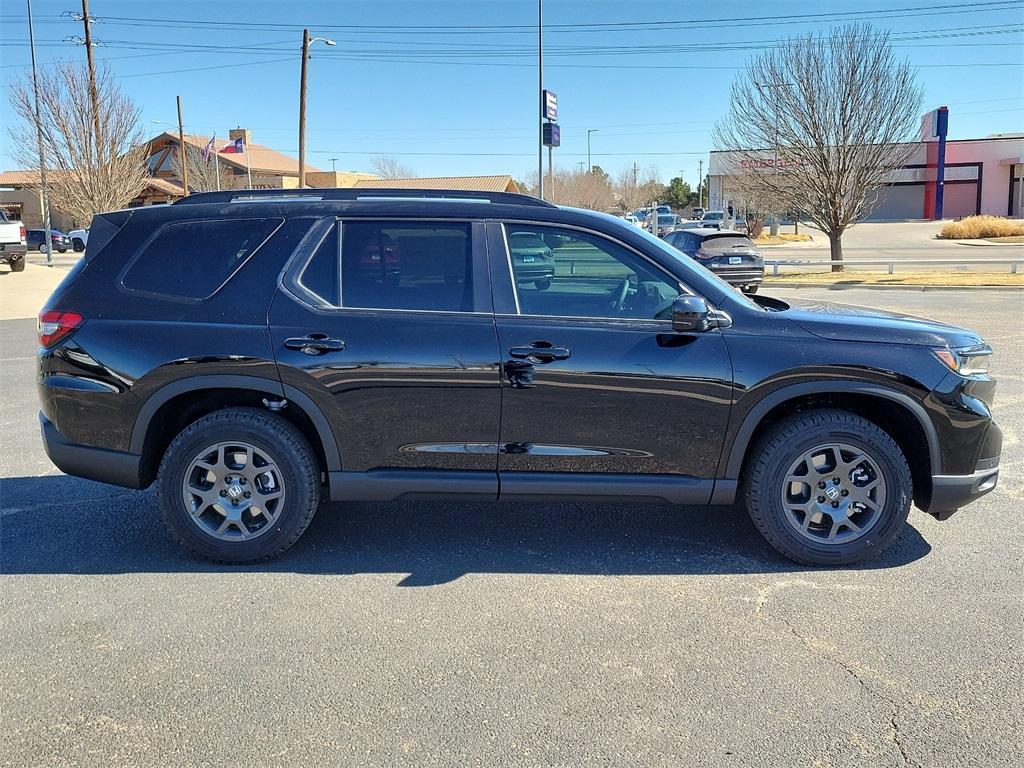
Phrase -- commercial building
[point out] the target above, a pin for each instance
(948, 179)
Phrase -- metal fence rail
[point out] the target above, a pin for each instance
(1014, 264)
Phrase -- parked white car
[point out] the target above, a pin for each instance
(79, 239)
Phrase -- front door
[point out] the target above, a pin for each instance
(595, 380)
(387, 327)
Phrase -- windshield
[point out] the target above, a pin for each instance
(713, 216)
(667, 219)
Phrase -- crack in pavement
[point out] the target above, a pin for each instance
(821, 649)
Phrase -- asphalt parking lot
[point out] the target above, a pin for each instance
(433, 634)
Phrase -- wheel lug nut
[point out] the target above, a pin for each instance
(223, 493)
(234, 502)
(242, 480)
(835, 504)
(821, 499)
(835, 481)
(247, 494)
(821, 483)
(844, 492)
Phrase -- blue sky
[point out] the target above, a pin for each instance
(450, 87)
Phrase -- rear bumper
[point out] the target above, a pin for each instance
(739, 275)
(12, 251)
(950, 492)
(114, 467)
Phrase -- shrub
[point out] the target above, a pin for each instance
(974, 227)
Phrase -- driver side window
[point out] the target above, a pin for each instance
(569, 273)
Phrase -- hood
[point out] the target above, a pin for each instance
(844, 322)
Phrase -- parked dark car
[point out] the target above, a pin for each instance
(35, 239)
(730, 255)
(235, 346)
(532, 259)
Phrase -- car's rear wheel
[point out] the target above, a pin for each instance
(239, 485)
(78, 245)
(18, 264)
(750, 289)
(542, 285)
(828, 487)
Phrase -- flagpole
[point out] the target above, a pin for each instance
(248, 170)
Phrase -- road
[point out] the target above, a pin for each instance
(436, 634)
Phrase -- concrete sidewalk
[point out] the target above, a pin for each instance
(22, 294)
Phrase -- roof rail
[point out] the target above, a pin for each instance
(362, 193)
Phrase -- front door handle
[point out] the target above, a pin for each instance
(540, 352)
(315, 344)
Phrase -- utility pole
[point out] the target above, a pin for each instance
(39, 139)
(306, 43)
(93, 95)
(590, 165)
(538, 102)
(635, 172)
(182, 156)
(334, 165)
(581, 164)
(302, 109)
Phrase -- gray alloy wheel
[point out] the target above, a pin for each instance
(234, 491)
(834, 493)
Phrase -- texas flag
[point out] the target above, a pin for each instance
(236, 147)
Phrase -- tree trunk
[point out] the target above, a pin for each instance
(835, 244)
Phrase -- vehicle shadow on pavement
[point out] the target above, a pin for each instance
(64, 525)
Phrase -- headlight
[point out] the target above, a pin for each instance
(967, 361)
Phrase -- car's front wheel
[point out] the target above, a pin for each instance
(78, 245)
(18, 264)
(239, 485)
(828, 487)
(542, 285)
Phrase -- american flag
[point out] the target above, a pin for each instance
(209, 147)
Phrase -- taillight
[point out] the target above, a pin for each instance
(54, 326)
(702, 254)
(24, 234)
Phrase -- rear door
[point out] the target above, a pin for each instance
(387, 326)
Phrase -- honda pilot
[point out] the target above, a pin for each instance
(257, 353)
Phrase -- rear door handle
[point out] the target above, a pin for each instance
(315, 344)
(540, 352)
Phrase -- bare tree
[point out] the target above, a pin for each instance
(87, 172)
(202, 174)
(582, 189)
(634, 191)
(388, 167)
(819, 123)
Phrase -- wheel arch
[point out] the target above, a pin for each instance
(899, 414)
(178, 403)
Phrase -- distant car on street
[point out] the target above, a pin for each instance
(714, 217)
(730, 255)
(666, 223)
(12, 243)
(36, 239)
(532, 259)
(79, 239)
(698, 213)
(633, 220)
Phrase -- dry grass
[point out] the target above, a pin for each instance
(961, 279)
(979, 227)
(781, 238)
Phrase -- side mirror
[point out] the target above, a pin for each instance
(691, 314)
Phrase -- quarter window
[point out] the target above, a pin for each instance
(320, 275)
(192, 259)
(407, 265)
(568, 273)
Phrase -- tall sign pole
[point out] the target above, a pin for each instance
(182, 155)
(540, 94)
(39, 139)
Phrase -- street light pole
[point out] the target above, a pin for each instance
(39, 139)
(590, 165)
(306, 42)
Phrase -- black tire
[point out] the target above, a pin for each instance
(792, 437)
(18, 264)
(750, 290)
(542, 285)
(267, 432)
(78, 245)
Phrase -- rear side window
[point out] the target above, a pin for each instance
(320, 275)
(192, 259)
(419, 265)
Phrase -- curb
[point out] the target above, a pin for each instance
(919, 288)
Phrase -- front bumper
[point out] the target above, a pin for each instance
(114, 467)
(950, 492)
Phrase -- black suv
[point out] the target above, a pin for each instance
(258, 353)
(729, 254)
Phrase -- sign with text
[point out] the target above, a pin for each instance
(551, 135)
(549, 105)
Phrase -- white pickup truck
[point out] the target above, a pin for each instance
(12, 243)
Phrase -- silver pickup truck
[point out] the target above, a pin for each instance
(12, 243)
